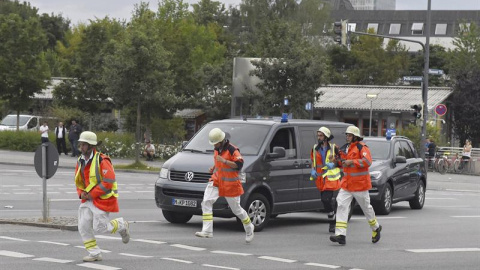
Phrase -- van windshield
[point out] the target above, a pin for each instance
(247, 137)
(11, 120)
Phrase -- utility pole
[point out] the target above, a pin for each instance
(426, 66)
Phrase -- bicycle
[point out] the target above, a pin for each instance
(461, 165)
(443, 164)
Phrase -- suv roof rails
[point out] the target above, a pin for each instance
(398, 136)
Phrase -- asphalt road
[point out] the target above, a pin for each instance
(443, 235)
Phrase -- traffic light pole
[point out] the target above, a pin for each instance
(426, 49)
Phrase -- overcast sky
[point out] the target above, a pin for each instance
(83, 10)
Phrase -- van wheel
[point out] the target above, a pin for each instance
(259, 211)
(175, 217)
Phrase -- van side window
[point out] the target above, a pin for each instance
(285, 138)
(32, 123)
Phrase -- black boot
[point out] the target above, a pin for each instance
(341, 239)
(331, 227)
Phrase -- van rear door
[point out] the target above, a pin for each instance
(309, 194)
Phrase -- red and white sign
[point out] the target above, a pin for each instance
(441, 109)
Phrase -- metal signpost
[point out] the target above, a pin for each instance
(46, 164)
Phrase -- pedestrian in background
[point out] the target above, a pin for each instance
(466, 154)
(225, 182)
(326, 173)
(44, 132)
(149, 151)
(73, 135)
(60, 134)
(97, 189)
(356, 183)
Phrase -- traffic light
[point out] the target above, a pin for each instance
(418, 111)
(340, 31)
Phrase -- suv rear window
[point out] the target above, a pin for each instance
(247, 137)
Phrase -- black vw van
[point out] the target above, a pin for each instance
(275, 175)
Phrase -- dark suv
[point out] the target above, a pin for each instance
(397, 172)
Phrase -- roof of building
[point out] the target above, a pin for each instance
(189, 113)
(48, 92)
(389, 98)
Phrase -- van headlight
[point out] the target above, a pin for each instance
(164, 173)
(243, 177)
(376, 175)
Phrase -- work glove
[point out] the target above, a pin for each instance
(313, 173)
(330, 165)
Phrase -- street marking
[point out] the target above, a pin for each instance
(54, 243)
(277, 259)
(136, 184)
(149, 241)
(33, 185)
(144, 191)
(23, 193)
(63, 200)
(46, 259)
(53, 192)
(56, 185)
(221, 267)
(15, 254)
(466, 216)
(71, 192)
(442, 198)
(134, 255)
(188, 247)
(437, 250)
(230, 253)
(323, 265)
(176, 260)
(462, 190)
(363, 218)
(125, 191)
(448, 206)
(148, 221)
(10, 185)
(98, 266)
(21, 189)
(102, 250)
(108, 237)
(14, 239)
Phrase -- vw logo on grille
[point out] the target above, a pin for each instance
(189, 176)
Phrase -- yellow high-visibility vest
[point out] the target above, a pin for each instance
(95, 178)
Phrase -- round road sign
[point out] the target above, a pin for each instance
(441, 109)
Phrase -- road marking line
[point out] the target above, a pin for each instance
(125, 191)
(463, 190)
(23, 193)
(148, 221)
(71, 192)
(188, 247)
(442, 198)
(10, 185)
(54, 243)
(134, 255)
(363, 218)
(33, 185)
(466, 216)
(98, 266)
(56, 185)
(323, 265)
(21, 189)
(176, 260)
(448, 206)
(102, 250)
(46, 259)
(136, 184)
(149, 241)
(14, 239)
(221, 267)
(277, 259)
(230, 253)
(53, 192)
(15, 254)
(437, 250)
(63, 200)
(108, 237)
(144, 191)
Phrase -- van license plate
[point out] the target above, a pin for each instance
(182, 202)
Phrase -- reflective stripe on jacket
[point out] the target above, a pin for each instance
(98, 181)
(224, 177)
(356, 176)
(327, 179)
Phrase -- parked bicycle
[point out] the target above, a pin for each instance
(461, 165)
(442, 163)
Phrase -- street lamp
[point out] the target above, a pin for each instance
(371, 97)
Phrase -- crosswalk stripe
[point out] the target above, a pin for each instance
(277, 259)
(15, 254)
(323, 265)
(221, 267)
(98, 266)
(438, 250)
(176, 260)
(134, 255)
(149, 241)
(188, 247)
(54, 243)
(230, 253)
(46, 259)
(14, 239)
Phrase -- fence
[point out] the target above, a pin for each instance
(453, 153)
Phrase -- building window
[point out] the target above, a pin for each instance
(352, 27)
(464, 27)
(373, 26)
(366, 129)
(441, 29)
(395, 29)
(417, 29)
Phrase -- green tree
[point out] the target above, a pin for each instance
(23, 69)
(137, 73)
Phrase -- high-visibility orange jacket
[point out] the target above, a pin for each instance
(326, 181)
(224, 177)
(99, 182)
(356, 176)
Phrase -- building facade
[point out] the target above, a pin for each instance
(373, 4)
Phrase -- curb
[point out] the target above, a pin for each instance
(44, 225)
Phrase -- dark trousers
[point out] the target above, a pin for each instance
(61, 146)
(44, 139)
(328, 200)
(74, 145)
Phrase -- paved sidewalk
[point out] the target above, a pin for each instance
(65, 161)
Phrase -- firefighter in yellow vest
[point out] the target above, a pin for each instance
(326, 173)
(97, 189)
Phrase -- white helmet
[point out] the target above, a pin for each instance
(88, 137)
(216, 135)
(325, 132)
(353, 130)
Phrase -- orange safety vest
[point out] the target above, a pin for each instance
(100, 183)
(356, 176)
(224, 177)
(324, 183)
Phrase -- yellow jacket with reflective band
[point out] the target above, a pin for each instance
(97, 178)
(327, 179)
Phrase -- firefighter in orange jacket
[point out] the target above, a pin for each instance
(225, 182)
(326, 173)
(97, 189)
(355, 184)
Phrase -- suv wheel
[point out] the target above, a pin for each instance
(175, 217)
(384, 206)
(259, 211)
(419, 199)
